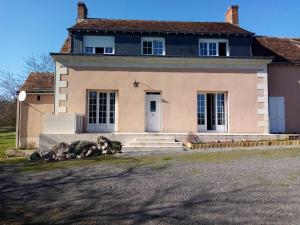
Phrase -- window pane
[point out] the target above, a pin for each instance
(220, 109)
(108, 50)
(88, 50)
(147, 47)
(201, 109)
(112, 101)
(92, 106)
(152, 106)
(102, 107)
(203, 48)
(213, 49)
(157, 47)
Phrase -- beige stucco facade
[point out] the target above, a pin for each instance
(31, 121)
(284, 81)
(245, 88)
(179, 93)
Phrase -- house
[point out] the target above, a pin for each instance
(283, 81)
(39, 101)
(134, 77)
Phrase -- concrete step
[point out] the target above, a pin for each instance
(157, 144)
(159, 139)
(151, 148)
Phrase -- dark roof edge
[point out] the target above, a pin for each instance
(38, 92)
(285, 63)
(247, 33)
(164, 56)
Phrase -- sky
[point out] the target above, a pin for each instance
(33, 27)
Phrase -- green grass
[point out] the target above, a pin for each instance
(157, 162)
(7, 140)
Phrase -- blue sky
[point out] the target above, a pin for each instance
(32, 27)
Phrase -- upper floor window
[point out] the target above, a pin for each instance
(213, 47)
(153, 46)
(99, 45)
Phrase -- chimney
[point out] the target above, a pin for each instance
(232, 15)
(81, 11)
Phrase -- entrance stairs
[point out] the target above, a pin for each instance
(153, 143)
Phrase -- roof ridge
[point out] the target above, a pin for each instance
(155, 20)
(293, 40)
(277, 37)
(159, 25)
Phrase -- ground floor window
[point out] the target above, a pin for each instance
(101, 111)
(211, 112)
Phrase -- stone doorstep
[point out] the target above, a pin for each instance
(126, 149)
(155, 144)
(18, 153)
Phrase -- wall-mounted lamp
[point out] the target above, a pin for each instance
(135, 84)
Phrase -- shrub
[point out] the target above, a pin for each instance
(193, 138)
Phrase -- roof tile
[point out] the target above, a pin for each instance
(39, 83)
(159, 26)
(66, 48)
(284, 49)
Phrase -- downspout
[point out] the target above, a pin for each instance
(18, 125)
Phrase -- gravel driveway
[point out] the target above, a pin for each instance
(244, 191)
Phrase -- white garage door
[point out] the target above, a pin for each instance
(277, 117)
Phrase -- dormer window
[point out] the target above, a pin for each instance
(213, 47)
(153, 46)
(99, 45)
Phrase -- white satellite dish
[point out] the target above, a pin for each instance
(22, 96)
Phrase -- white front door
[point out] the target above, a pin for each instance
(277, 114)
(153, 113)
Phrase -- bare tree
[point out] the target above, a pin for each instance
(10, 84)
(43, 64)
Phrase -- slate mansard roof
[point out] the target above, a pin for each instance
(286, 50)
(39, 83)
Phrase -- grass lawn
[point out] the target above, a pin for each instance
(7, 140)
(155, 162)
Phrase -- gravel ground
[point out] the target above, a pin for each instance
(245, 191)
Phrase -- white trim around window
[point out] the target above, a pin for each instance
(101, 111)
(156, 46)
(212, 112)
(98, 44)
(210, 47)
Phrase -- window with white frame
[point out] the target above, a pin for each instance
(101, 108)
(213, 47)
(153, 46)
(201, 109)
(98, 45)
(220, 108)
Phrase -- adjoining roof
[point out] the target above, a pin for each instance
(39, 83)
(159, 26)
(66, 48)
(283, 49)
